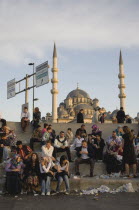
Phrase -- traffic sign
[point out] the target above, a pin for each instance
(11, 89)
(42, 76)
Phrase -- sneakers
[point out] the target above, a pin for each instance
(48, 193)
(42, 193)
(66, 193)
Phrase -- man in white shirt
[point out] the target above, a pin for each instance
(25, 118)
(85, 155)
(61, 145)
(47, 150)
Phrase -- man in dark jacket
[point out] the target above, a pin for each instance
(121, 115)
(80, 117)
(85, 155)
(81, 131)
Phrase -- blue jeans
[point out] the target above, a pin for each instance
(60, 180)
(46, 185)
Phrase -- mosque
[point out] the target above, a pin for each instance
(79, 99)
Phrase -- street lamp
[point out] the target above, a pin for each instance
(32, 64)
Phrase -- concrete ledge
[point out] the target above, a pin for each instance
(106, 129)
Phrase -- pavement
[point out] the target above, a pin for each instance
(124, 201)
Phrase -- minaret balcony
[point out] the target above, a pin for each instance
(54, 91)
(123, 95)
(54, 80)
(121, 86)
(121, 76)
(54, 70)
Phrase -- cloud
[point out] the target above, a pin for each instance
(28, 28)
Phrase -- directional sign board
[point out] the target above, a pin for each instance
(42, 76)
(11, 88)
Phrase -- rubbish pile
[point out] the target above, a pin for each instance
(104, 189)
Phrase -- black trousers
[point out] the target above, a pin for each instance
(67, 150)
(32, 140)
(79, 161)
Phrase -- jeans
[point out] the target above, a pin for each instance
(60, 180)
(46, 185)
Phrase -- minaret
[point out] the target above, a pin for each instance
(121, 86)
(54, 90)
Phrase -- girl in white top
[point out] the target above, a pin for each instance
(63, 174)
(46, 174)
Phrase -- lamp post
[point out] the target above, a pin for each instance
(32, 64)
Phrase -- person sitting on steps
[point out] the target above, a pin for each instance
(61, 145)
(85, 155)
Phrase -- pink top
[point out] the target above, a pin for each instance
(44, 130)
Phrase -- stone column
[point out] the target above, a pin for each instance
(54, 90)
(122, 86)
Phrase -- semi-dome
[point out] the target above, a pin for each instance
(78, 93)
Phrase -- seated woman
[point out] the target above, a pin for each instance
(14, 169)
(32, 174)
(96, 131)
(46, 175)
(113, 164)
(63, 174)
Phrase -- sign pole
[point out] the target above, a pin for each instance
(33, 91)
(26, 90)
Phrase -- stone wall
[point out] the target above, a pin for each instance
(106, 129)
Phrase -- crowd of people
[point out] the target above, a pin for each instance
(26, 170)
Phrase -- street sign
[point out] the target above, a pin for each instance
(42, 76)
(11, 88)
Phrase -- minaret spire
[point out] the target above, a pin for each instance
(120, 58)
(54, 52)
(54, 82)
(122, 86)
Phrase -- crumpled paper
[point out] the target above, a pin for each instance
(104, 189)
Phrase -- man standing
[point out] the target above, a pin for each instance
(120, 115)
(80, 117)
(25, 118)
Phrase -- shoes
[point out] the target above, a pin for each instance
(42, 193)
(66, 193)
(77, 174)
(48, 193)
(135, 176)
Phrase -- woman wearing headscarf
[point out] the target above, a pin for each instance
(14, 169)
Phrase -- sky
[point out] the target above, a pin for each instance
(88, 35)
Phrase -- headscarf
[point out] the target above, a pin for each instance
(14, 160)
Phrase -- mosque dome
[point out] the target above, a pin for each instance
(78, 93)
(114, 113)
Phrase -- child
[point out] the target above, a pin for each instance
(63, 174)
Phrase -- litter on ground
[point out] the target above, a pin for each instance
(104, 189)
